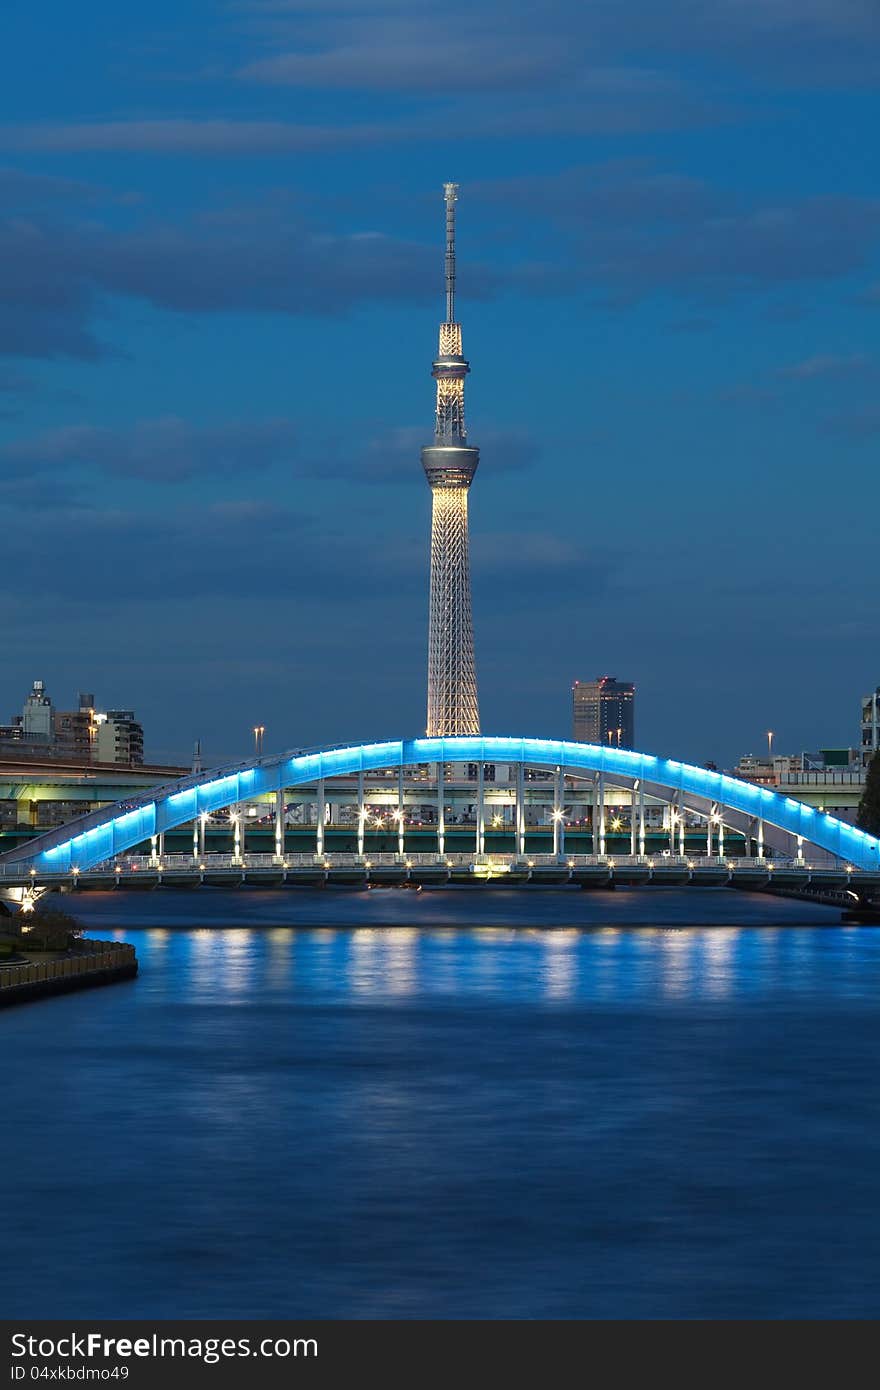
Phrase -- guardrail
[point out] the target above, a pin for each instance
(105, 956)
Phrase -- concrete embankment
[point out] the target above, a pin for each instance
(100, 963)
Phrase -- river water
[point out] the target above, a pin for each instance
(499, 1103)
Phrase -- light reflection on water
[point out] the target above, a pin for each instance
(547, 1117)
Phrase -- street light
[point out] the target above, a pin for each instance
(770, 745)
(259, 730)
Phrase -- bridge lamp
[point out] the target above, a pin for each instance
(33, 873)
(559, 815)
(409, 863)
(531, 863)
(75, 870)
(616, 823)
(202, 867)
(849, 868)
(368, 863)
(610, 863)
(650, 863)
(691, 864)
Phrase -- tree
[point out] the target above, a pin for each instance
(868, 817)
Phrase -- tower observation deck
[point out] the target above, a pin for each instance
(450, 464)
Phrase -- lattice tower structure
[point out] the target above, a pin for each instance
(450, 464)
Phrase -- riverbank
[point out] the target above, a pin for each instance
(96, 963)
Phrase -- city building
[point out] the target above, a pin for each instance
(870, 726)
(38, 716)
(81, 735)
(450, 464)
(603, 711)
(831, 779)
(120, 738)
(76, 731)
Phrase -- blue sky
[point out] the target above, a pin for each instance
(220, 281)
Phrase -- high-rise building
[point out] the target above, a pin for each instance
(450, 464)
(870, 726)
(603, 712)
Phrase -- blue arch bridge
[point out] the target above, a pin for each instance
(431, 810)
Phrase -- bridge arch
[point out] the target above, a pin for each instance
(104, 834)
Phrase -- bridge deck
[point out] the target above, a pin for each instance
(139, 872)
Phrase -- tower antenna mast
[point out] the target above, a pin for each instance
(450, 192)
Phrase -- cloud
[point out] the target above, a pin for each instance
(390, 46)
(632, 231)
(187, 136)
(856, 426)
(53, 275)
(393, 455)
(40, 493)
(825, 365)
(167, 450)
(21, 189)
(625, 232)
(15, 384)
(412, 52)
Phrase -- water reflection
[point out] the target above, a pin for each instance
(498, 1121)
(560, 963)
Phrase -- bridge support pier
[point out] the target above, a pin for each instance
(362, 813)
(641, 820)
(481, 809)
(559, 815)
(520, 810)
(400, 815)
(600, 793)
(320, 815)
(441, 810)
(279, 824)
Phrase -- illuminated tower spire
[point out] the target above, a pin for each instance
(450, 464)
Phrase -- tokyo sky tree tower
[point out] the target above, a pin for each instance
(450, 463)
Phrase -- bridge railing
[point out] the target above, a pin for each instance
(128, 865)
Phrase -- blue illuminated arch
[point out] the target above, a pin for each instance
(110, 832)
